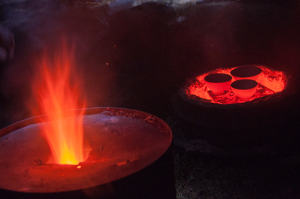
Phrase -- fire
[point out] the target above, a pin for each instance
(269, 82)
(56, 91)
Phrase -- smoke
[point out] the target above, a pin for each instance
(39, 26)
(139, 56)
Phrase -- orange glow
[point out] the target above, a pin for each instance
(56, 91)
(269, 82)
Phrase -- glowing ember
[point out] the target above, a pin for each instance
(269, 82)
(56, 91)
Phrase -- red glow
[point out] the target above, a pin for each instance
(269, 82)
(218, 83)
(56, 91)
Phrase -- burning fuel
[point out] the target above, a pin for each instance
(268, 82)
(57, 92)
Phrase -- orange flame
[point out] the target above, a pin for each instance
(56, 91)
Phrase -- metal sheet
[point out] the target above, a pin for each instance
(122, 142)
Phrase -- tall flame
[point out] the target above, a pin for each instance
(57, 93)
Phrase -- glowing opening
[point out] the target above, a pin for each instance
(269, 82)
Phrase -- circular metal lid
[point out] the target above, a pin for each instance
(217, 78)
(122, 142)
(246, 71)
(244, 84)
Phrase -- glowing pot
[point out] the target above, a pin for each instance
(244, 88)
(122, 142)
(246, 72)
(232, 122)
(218, 83)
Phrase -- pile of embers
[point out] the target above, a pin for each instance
(237, 84)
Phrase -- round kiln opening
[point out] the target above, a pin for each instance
(252, 112)
(269, 82)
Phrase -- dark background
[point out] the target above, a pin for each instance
(139, 57)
